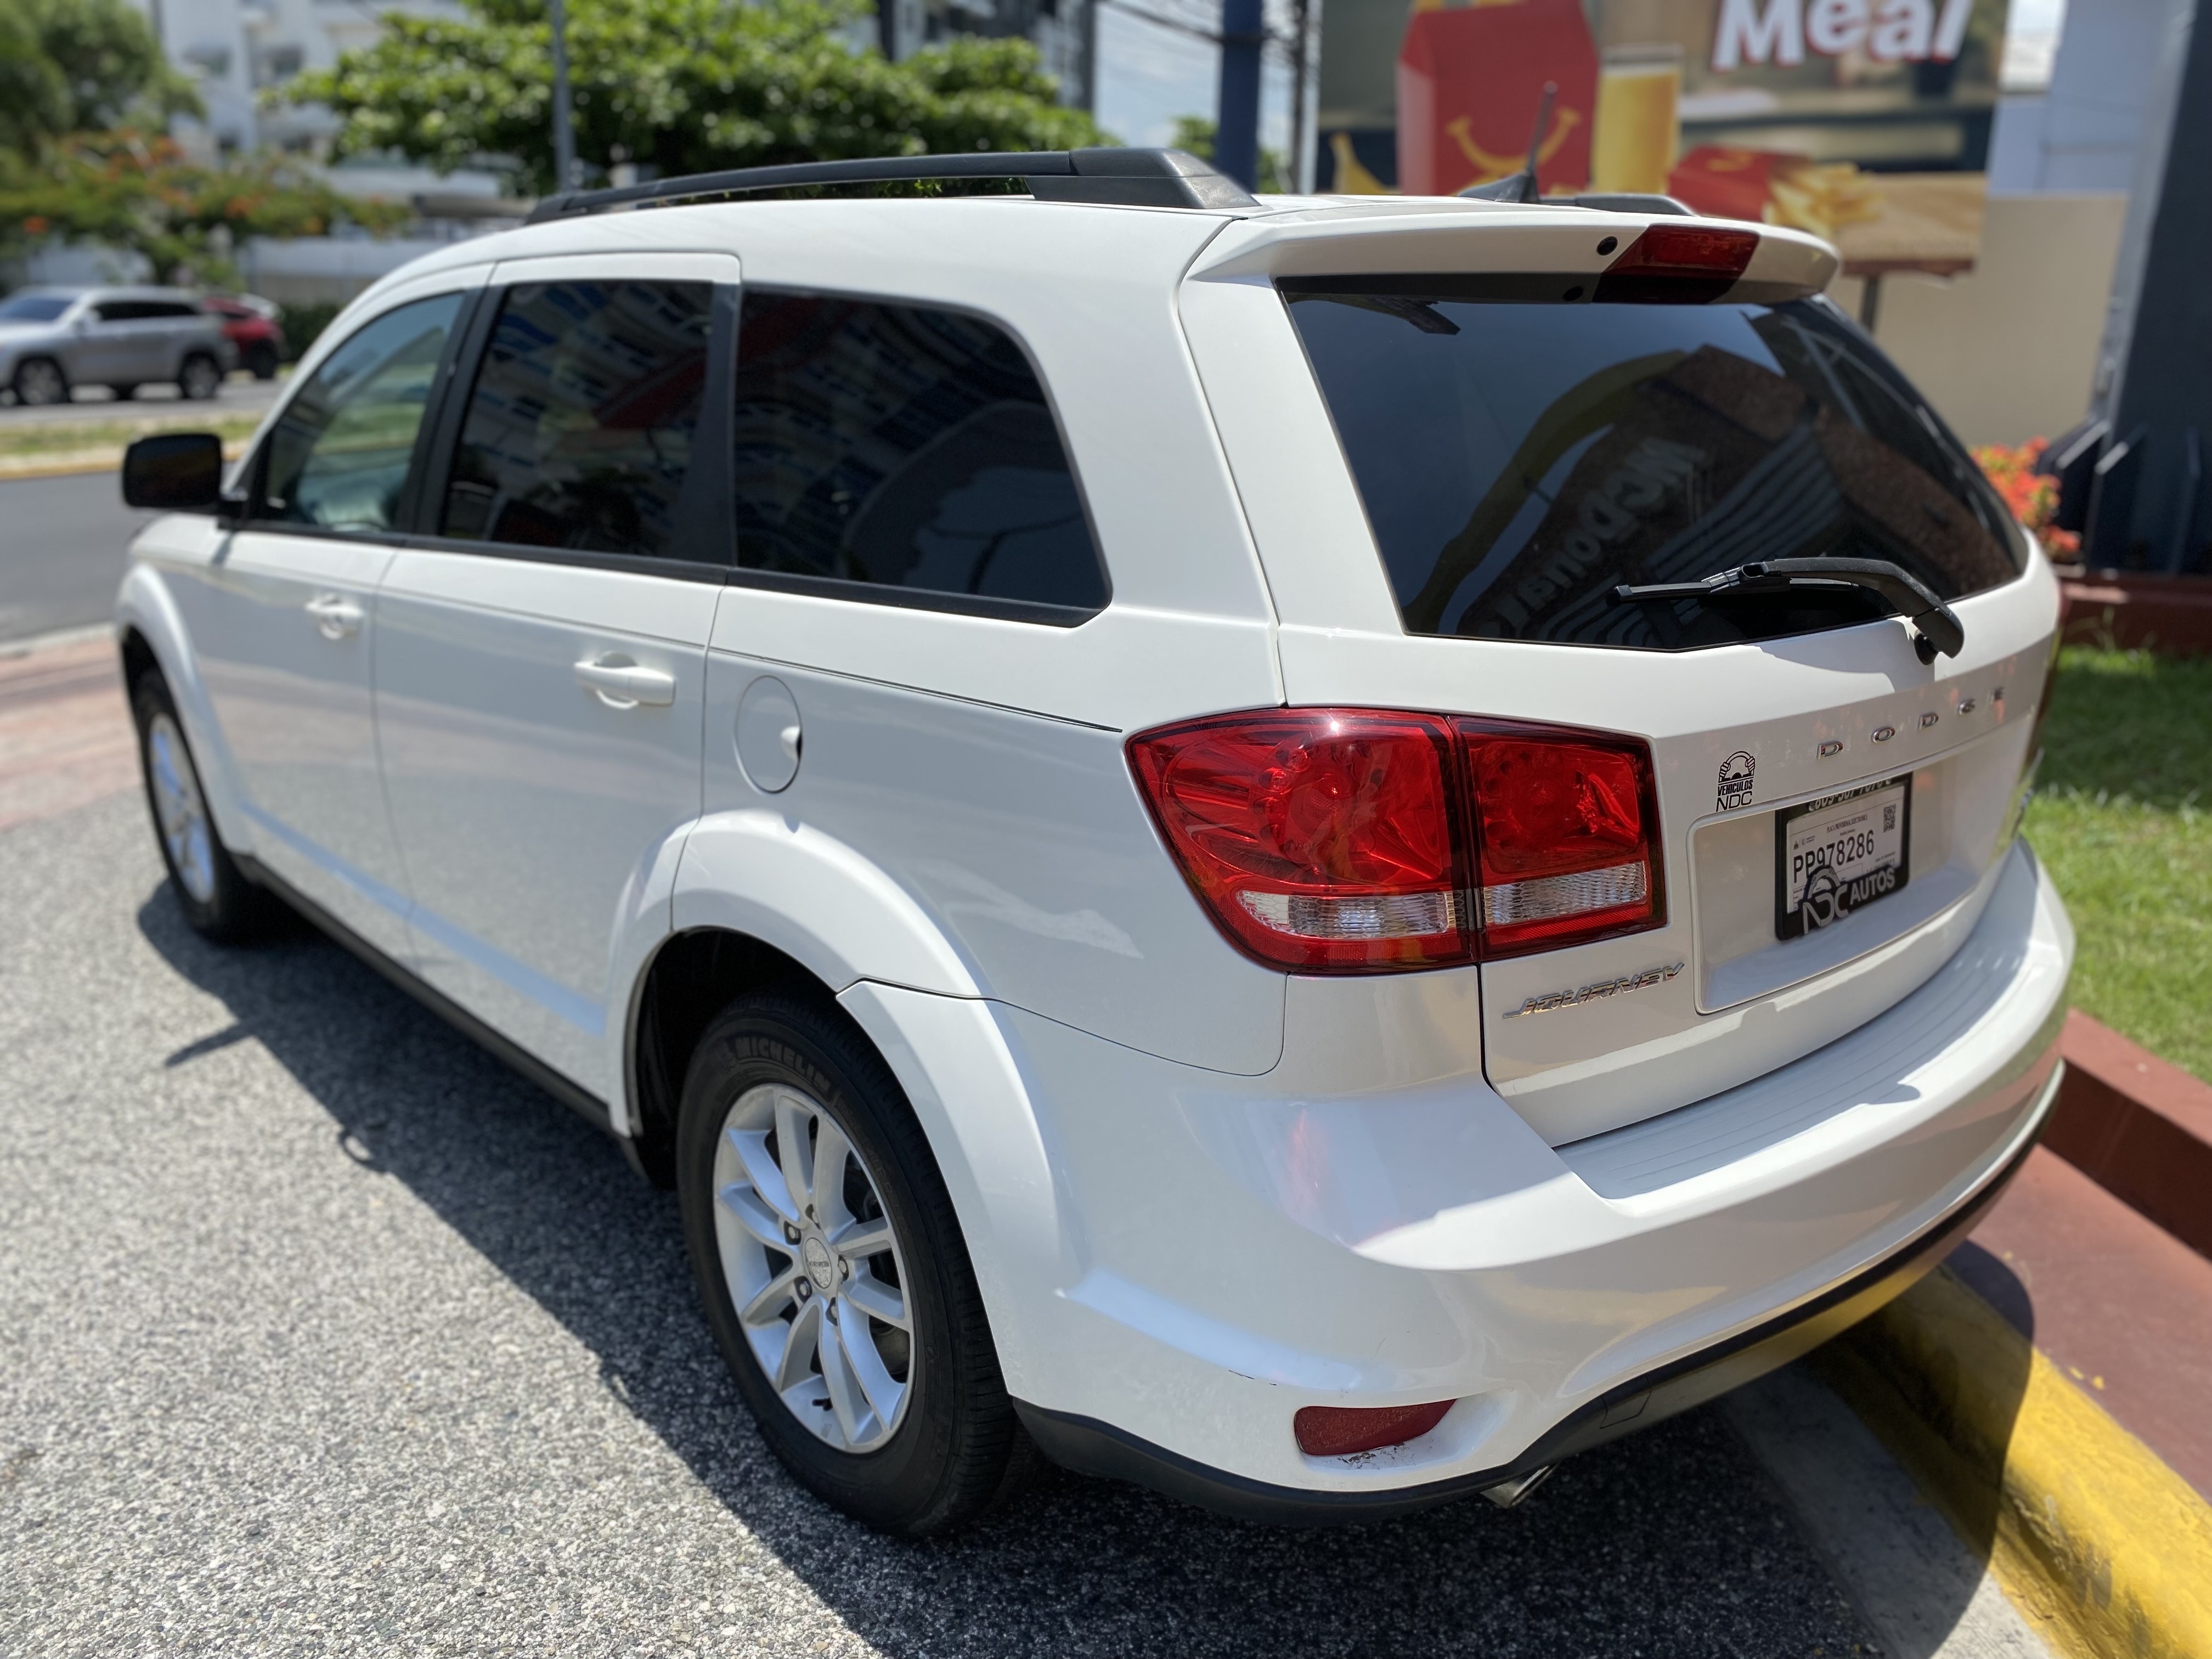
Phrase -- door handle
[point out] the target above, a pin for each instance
(335, 618)
(621, 684)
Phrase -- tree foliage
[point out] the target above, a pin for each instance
(72, 66)
(680, 86)
(142, 194)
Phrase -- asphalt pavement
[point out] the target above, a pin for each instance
(241, 394)
(64, 544)
(326, 1333)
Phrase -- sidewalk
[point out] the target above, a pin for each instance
(65, 736)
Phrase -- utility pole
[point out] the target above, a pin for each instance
(1091, 57)
(564, 132)
(1236, 119)
(1301, 179)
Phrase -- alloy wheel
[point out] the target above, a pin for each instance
(814, 1268)
(200, 380)
(38, 383)
(179, 808)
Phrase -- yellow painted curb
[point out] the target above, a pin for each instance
(2105, 1547)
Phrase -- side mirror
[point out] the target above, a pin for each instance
(173, 472)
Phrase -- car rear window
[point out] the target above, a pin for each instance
(1519, 461)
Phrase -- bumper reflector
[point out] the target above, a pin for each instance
(1341, 1430)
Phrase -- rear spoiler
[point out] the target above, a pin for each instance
(1533, 253)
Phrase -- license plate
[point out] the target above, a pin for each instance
(1840, 853)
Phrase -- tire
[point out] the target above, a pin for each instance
(200, 377)
(39, 382)
(261, 360)
(912, 1456)
(218, 902)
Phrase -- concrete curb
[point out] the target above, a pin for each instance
(2106, 1550)
(2138, 1126)
(2131, 608)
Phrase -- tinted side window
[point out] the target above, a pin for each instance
(902, 446)
(578, 431)
(122, 311)
(340, 452)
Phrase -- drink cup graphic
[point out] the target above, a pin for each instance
(1638, 90)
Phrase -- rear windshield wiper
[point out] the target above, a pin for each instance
(1937, 626)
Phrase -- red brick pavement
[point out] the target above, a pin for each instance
(65, 736)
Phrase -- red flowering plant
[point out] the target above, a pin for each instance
(2032, 496)
(140, 192)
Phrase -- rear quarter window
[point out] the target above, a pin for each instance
(1519, 461)
(906, 451)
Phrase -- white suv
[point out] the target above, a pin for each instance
(1312, 851)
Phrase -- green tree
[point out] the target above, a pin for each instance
(70, 66)
(680, 86)
(1196, 134)
(141, 194)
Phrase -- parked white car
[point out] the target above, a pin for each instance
(1311, 851)
(55, 339)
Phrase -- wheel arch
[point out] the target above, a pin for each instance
(150, 635)
(953, 1061)
(690, 977)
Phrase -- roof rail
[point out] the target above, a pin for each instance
(1123, 177)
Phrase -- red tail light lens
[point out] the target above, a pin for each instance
(1341, 1430)
(1565, 836)
(1678, 264)
(1352, 841)
(1318, 838)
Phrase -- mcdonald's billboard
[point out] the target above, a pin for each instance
(1864, 121)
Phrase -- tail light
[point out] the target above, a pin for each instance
(1678, 264)
(1341, 1430)
(1363, 840)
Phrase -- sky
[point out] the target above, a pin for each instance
(1149, 75)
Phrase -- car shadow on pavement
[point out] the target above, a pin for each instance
(1668, 1542)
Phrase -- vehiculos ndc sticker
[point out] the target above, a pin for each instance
(1738, 772)
(1839, 853)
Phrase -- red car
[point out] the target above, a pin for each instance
(251, 325)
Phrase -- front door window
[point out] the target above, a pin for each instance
(339, 455)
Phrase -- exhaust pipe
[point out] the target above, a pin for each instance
(1508, 1494)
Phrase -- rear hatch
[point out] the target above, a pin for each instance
(1493, 424)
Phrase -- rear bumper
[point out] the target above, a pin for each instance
(1175, 1260)
(1090, 1446)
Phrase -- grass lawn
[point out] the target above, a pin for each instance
(69, 437)
(2124, 822)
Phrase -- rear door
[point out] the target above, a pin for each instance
(175, 327)
(111, 349)
(541, 652)
(1467, 457)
